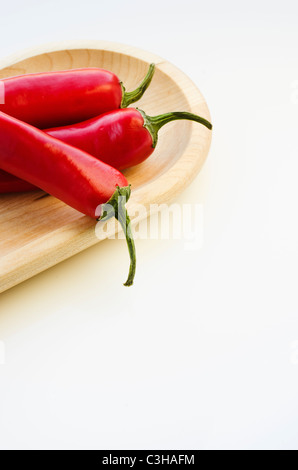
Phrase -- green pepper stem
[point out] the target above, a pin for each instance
(129, 97)
(115, 207)
(154, 123)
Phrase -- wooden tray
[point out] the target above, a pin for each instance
(38, 232)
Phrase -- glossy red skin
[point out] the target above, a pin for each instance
(117, 138)
(61, 98)
(68, 173)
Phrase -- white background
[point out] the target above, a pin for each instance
(203, 351)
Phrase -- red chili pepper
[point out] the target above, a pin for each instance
(11, 184)
(62, 98)
(121, 138)
(70, 174)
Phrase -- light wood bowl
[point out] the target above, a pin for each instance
(39, 232)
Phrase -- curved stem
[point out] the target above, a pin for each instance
(115, 207)
(154, 123)
(124, 220)
(129, 97)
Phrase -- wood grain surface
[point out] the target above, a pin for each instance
(37, 230)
